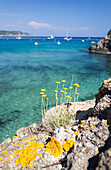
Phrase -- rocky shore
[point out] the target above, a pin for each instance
(83, 146)
(103, 46)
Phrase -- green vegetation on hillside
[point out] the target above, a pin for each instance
(6, 33)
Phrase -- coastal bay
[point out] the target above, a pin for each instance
(26, 68)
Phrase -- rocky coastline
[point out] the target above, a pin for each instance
(103, 46)
(86, 145)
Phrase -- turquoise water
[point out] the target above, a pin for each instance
(26, 68)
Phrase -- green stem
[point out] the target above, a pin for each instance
(75, 99)
(61, 97)
(42, 107)
(47, 105)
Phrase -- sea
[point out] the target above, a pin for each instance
(26, 68)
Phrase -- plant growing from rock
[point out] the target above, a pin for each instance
(61, 116)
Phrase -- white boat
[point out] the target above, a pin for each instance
(18, 38)
(58, 42)
(36, 43)
(51, 37)
(65, 38)
(68, 39)
(92, 42)
(82, 40)
(89, 38)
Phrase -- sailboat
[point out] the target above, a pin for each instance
(18, 37)
(66, 38)
(51, 37)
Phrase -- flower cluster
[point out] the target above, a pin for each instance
(62, 116)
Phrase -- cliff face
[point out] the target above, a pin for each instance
(103, 46)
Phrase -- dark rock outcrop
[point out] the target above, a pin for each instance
(102, 108)
(103, 46)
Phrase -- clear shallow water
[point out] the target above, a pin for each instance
(26, 68)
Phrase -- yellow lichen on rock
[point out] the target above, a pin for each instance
(32, 165)
(15, 137)
(7, 159)
(68, 144)
(3, 152)
(28, 154)
(54, 147)
(76, 134)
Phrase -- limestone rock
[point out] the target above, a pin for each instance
(103, 46)
(102, 108)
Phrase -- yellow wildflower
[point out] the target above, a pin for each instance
(43, 90)
(47, 98)
(42, 93)
(70, 98)
(65, 93)
(56, 99)
(63, 81)
(76, 85)
(77, 94)
(67, 96)
(57, 82)
(56, 91)
(65, 88)
(70, 88)
(62, 91)
(68, 144)
(54, 147)
(50, 167)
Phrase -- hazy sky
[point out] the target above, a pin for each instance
(46, 17)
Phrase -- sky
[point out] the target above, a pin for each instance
(57, 17)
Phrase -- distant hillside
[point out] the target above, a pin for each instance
(13, 33)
